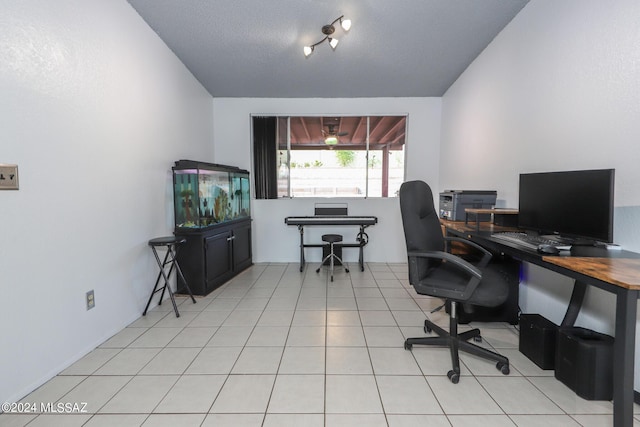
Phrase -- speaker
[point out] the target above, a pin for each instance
(584, 362)
(538, 340)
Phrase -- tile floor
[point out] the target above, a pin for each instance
(276, 347)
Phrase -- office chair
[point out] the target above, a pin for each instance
(437, 273)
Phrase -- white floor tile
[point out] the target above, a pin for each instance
(95, 391)
(91, 362)
(233, 420)
(355, 420)
(294, 394)
(345, 336)
(305, 336)
(348, 360)
(141, 394)
(280, 347)
(233, 336)
(516, 395)
(466, 397)
(383, 336)
(170, 361)
(128, 362)
(418, 421)
(192, 394)
(244, 394)
(393, 361)
(481, 421)
(352, 394)
(407, 395)
(263, 336)
(293, 420)
(303, 360)
(193, 337)
(377, 318)
(120, 420)
(258, 360)
(172, 420)
(214, 360)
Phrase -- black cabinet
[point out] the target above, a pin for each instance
(211, 257)
(213, 213)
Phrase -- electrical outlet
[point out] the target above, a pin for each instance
(91, 301)
(8, 177)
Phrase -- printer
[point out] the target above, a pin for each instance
(454, 202)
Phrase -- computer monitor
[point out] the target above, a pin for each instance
(577, 205)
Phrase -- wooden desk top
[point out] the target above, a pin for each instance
(500, 211)
(618, 269)
(462, 227)
(623, 272)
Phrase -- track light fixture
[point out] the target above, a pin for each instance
(328, 31)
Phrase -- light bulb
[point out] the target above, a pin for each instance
(331, 140)
(333, 42)
(346, 24)
(307, 50)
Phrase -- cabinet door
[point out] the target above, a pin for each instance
(218, 261)
(242, 255)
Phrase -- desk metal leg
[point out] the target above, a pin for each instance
(577, 296)
(302, 261)
(623, 357)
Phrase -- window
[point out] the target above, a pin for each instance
(319, 156)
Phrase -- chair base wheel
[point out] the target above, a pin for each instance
(503, 367)
(453, 376)
(427, 329)
(477, 339)
(407, 345)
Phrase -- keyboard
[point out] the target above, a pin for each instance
(530, 241)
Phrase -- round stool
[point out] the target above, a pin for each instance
(170, 243)
(331, 239)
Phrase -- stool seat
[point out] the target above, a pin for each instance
(166, 240)
(170, 243)
(331, 238)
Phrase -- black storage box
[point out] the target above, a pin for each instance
(584, 362)
(538, 339)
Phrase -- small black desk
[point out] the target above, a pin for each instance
(333, 220)
(614, 271)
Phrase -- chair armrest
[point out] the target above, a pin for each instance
(486, 255)
(475, 275)
(464, 265)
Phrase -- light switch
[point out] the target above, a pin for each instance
(8, 177)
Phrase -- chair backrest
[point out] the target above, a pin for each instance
(422, 230)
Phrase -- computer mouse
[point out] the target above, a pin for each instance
(548, 249)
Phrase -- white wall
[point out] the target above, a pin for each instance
(94, 109)
(558, 89)
(276, 242)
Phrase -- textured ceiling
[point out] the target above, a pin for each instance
(253, 48)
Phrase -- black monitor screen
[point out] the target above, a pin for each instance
(574, 204)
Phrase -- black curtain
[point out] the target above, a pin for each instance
(265, 157)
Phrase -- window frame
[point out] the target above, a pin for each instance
(367, 151)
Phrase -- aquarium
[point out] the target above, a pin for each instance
(206, 194)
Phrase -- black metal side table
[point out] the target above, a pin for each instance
(170, 243)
